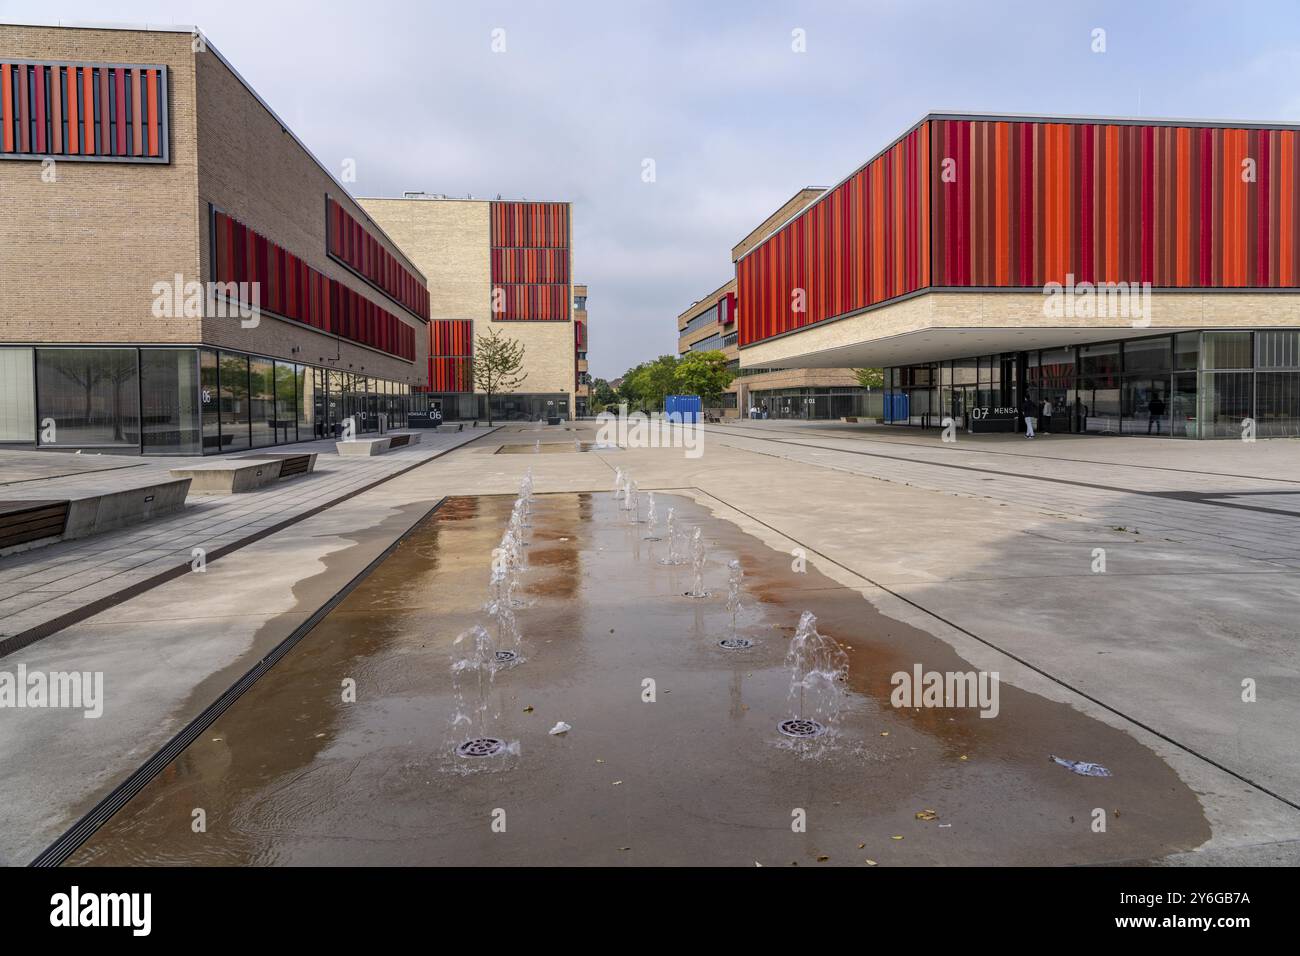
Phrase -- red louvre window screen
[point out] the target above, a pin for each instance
(530, 257)
(357, 248)
(291, 289)
(451, 344)
(77, 110)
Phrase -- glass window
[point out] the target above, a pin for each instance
(1145, 406)
(1182, 405)
(1147, 355)
(1277, 349)
(234, 401)
(1226, 350)
(1099, 362)
(964, 372)
(91, 396)
(1277, 403)
(261, 405)
(1225, 402)
(209, 400)
(169, 387)
(1187, 350)
(17, 396)
(306, 397)
(286, 405)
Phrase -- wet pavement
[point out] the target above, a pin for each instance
(294, 773)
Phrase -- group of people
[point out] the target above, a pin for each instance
(1031, 410)
(756, 412)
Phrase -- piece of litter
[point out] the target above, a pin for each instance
(528, 709)
(822, 859)
(560, 728)
(896, 838)
(625, 848)
(926, 815)
(598, 760)
(942, 825)
(870, 862)
(884, 733)
(962, 757)
(862, 846)
(756, 863)
(618, 783)
(1082, 767)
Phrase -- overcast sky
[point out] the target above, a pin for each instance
(735, 120)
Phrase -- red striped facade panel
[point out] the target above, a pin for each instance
(1176, 206)
(530, 250)
(356, 247)
(531, 265)
(579, 336)
(290, 288)
(451, 347)
(864, 242)
(74, 111)
(1019, 204)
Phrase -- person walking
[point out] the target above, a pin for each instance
(1046, 423)
(1029, 408)
(1156, 408)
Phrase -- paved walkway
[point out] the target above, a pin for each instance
(986, 545)
(49, 586)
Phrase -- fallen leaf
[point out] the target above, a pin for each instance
(884, 733)
(926, 815)
(862, 846)
(896, 838)
(617, 782)
(822, 859)
(962, 757)
(871, 862)
(528, 709)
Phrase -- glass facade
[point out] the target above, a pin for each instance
(17, 395)
(816, 403)
(1187, 385)
(88, 398)
(181, 401)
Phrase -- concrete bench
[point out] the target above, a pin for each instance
(369, 447)
(230, 476)
(292, 464)
(26, 524)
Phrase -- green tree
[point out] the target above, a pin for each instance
(870, 377)
(602, 395)
(704, 374)
(645, 386)
(497, 363)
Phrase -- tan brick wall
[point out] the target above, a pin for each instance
(449, 240)
(256, 172)
(81, 255)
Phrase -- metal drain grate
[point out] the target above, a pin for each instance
(507, 657)
(479, 747)
(801, 727)
(735, 643)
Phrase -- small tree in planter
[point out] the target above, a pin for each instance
(497, 364)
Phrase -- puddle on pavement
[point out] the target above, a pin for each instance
(292, 774)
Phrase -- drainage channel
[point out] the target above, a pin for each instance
(123, 793)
